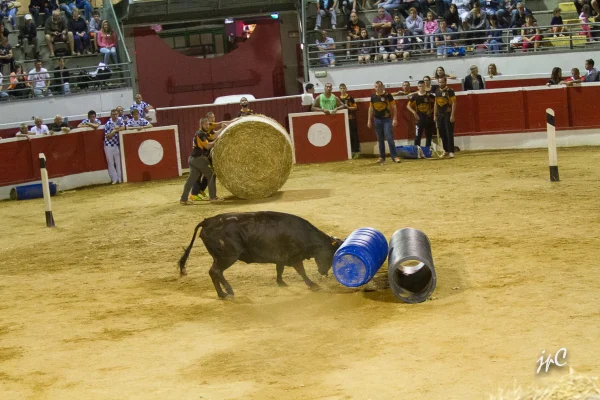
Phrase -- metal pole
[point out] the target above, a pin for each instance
(304, 44)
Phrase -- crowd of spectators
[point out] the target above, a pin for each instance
(80, 28)
(403, 27)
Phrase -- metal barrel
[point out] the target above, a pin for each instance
(411, 272)
(360, 257)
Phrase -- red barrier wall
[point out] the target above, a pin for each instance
(511, 83)
(188, 119)
(11, 132)
(68, 154)
(168, 78)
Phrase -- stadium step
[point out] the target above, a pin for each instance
(567, 7)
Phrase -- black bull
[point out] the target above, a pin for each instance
(262, 237)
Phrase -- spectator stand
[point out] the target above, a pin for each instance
(78, 66)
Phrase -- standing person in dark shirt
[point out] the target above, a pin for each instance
(245, 108)
(383, 107)
(421, 105)
(351, 107)
(443, 115)
(200, 164)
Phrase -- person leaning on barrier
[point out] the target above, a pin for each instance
(405, 91)
(121, 114)
(39, 128)
(141, 106)
(59, 125)
(308, 96)
(574, 78)
(23, 131)
(91, 121)
(474, 81)
(327, 102)
(245, 110)
(137, 122)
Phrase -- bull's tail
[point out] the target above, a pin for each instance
(186, 254)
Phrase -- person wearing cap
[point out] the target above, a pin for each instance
(474, 81)
(245, 110)
(28, 36)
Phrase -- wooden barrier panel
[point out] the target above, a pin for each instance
(15, 161)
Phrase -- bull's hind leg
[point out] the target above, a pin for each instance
(299, 267)
(216, 274)
(280, 268)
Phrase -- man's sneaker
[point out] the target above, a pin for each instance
(199, 197)
(451, 155)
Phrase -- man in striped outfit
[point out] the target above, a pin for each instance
(111, 146)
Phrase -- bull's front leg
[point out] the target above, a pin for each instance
(299, 267)
(280, 281)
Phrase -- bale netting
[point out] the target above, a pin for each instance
(570, 387)
(252, 157)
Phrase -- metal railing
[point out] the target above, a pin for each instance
(80, 80)
(122, 52)
(462, 43)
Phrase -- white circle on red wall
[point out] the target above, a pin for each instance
(319, 135)
(150, 152)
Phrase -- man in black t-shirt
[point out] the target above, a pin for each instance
(443, 115)
(59, 125)
(245, 110)
(384, 114)
(421, 105)
(354, 26)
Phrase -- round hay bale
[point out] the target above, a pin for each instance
(252, 157)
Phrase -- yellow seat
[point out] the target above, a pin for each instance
(567, 7)
(565, 42)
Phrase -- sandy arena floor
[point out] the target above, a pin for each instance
(95, 308)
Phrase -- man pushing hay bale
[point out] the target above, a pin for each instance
(252, 157)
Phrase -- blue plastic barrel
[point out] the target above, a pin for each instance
(357, 260)
(33, 191)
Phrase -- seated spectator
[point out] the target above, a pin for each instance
(137, 122)
(6, 55)
(382, 23)
(592, 73)
(325, 8)
(404, 43)
(452, 18)
(430, 26)
(491, 7)
(414, 25)
(574, 78)
(384, 51)
(365, 48)
(27, 36)
(405, 91)
(325, 44)
(56, 31)
(60, 83)
(463, 9)
(3, 31)
(476, 21)
(79, 30)
(474, 81)
(107, 41)
(440, 72)
(354, 27)
(530, 33)
(59, 125)
(8, 9)
(493, 71)
(347, 7)
(405, 6)
(19, 87)
(87, 8)
(444, 40)
(39, 80)
(557, 23)
(39, 128)
(67, 6)
(23, 131)
(388, 5)
(40, 6)
(3, 93)
(95, 25)
(518, 16)
(494, 36)
(555, 77)
(91, 121)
